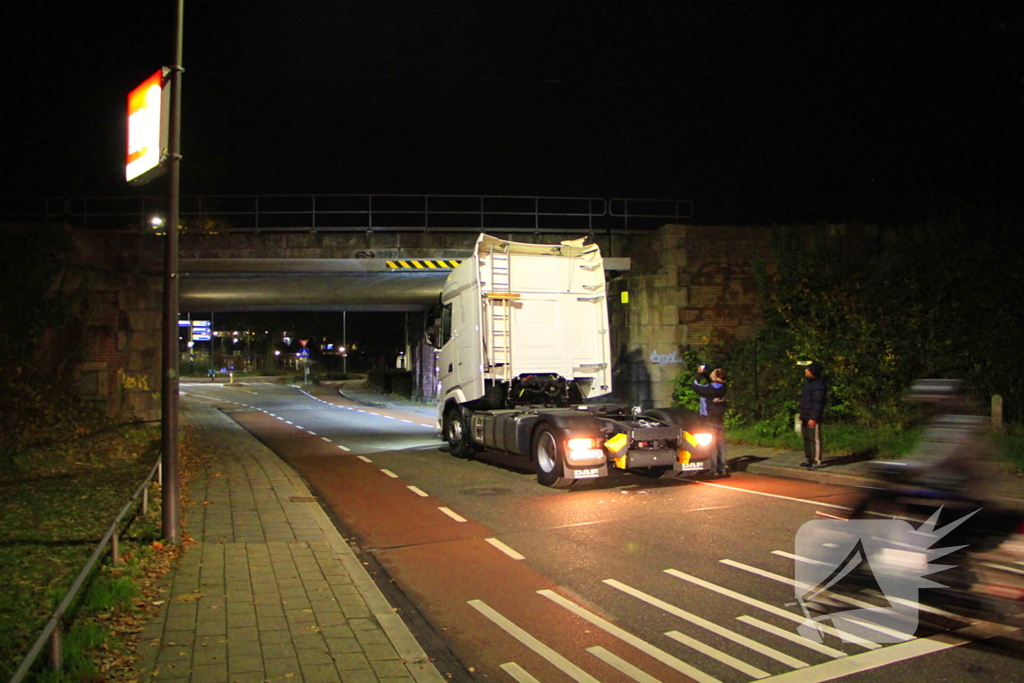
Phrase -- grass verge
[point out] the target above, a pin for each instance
(882, 441)
(56, 502)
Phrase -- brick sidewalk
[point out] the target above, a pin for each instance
(271, 592)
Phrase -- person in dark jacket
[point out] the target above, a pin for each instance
(812, 411)
(710, 386)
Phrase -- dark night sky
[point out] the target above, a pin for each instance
(758, 112)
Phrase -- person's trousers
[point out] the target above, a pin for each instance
(717, 448)
(812, 441)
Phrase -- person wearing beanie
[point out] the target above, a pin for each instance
(812, 410)
(710, 386)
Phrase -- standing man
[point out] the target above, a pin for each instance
(812, 410)
(711, 389)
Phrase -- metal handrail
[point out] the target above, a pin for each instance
(349, 212)
(52, 632)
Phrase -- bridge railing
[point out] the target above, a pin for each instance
(354, 213)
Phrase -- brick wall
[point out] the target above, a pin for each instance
(689, 286)
(116, 364)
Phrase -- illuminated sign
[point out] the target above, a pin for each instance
(201, 330)
(148, 112)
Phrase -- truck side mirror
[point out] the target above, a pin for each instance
(433, 333)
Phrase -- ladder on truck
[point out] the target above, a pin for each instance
(500, 311)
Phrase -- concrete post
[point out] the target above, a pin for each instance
(997, 412)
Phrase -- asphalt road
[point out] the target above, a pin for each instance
(630, 579)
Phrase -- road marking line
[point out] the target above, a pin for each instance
(288, 422)
(614, 661)
(324, 438)
(563, 664)
(454, 515)
(519, 673)
(310, 431)
(505, 549)
(272, 415)
(709, 625)
(798, 558)
(642, 645)
(418, 492)
(714, 653)
(924, 608)
(899, 652)
(389, 473)
(792, 637)
(777, 611)
(901, 635)
(279, 417)
(342, 447)
(361, 457)
(773, 495)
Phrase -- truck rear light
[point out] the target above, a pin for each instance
(703, 438)
(581, 443)
(584, 450)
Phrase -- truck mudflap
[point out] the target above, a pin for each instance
(582, 473)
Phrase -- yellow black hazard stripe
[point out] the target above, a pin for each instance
(423, 265)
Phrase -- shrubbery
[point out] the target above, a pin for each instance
(939, 299)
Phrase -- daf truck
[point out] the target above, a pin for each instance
(523, 363)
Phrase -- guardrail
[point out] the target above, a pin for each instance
(352, 213)
(53, 631)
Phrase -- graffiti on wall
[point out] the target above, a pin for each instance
(137, 382)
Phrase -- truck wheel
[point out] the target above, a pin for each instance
(548, 457)
(456, 433)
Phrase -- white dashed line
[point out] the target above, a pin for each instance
(418, 492)
(622, 665)
(342, 448)
(627, 637)
(309, 431)
(454, 515)
(519, 673)
(792, 637)
(324, 438)
(361, 457)
(715, 653)
(714, 628)
(560, 662)
(505, 549)
(389, 473)
(772, 609)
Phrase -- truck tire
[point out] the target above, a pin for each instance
(547, 453)
(456, 432)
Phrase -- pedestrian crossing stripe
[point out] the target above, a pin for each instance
(422, 265)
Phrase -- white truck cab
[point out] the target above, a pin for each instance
(524, 348)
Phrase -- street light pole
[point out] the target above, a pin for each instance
(171, 494)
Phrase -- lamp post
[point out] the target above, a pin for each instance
(171, 493)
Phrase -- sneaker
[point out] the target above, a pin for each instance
(805, 464)
(812, 466)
